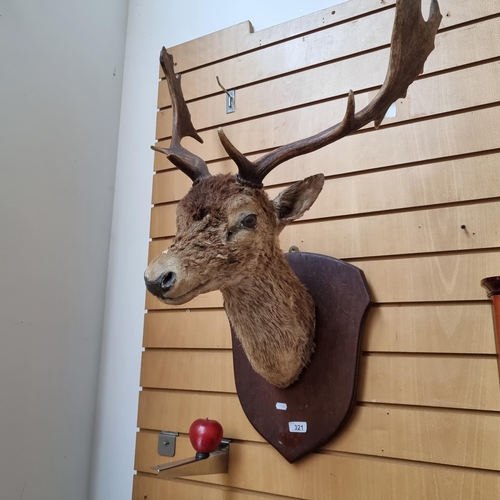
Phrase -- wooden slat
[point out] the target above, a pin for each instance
(431, 278)
(168, 187)
(158, 246)
(340, 41)
(466, 179)
(471, 178)
(422, 231)
(188, 369)
(151, 488)
(452, 91)
(212, 47)
(422, 328)
(449, 382)
(430, 328)
(163, 221)
(462, 438)
(440, 381)
(401, 233)
(198, 329)
(254, 466)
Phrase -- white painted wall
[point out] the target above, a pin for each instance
(151, 24)
(61, 67)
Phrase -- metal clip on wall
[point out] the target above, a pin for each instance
(215, 463)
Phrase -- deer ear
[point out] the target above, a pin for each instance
(291, 203)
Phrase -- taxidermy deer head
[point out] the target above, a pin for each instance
(228, 228)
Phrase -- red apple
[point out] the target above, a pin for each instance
(205, 435)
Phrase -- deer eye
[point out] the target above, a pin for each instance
(249, 222)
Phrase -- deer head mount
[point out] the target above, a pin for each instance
(228, 229)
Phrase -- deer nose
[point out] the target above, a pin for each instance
(167, 281)
(161, 284)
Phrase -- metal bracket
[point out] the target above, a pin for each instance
(215, 463)
(230, 101)
(166, 443)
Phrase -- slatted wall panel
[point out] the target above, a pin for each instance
(427, 420)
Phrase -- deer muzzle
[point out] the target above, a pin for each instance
(162, 276)
(161, 284)
(167, 279)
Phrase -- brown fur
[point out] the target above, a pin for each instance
(269, 309)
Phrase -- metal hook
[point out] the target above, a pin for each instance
(230, 97)
(221, 86)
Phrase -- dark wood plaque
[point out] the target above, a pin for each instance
(303, 417)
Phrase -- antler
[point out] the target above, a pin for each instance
(412, 42)
(182, 126)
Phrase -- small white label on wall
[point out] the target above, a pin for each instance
(297, 427)
(281, 406)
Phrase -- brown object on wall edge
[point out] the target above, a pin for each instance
(492, 284)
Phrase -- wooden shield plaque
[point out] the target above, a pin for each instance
(303, 417)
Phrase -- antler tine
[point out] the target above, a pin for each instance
(182, 126)
(412, 42)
